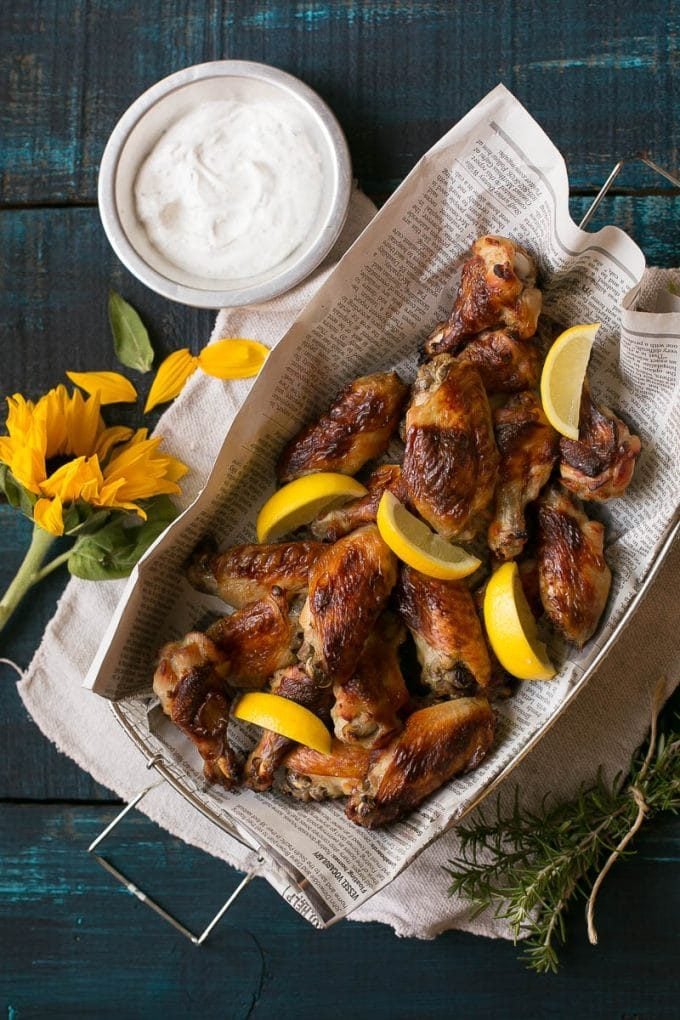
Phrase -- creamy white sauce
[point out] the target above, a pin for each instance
(230, 189)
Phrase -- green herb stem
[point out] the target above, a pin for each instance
(28, 574)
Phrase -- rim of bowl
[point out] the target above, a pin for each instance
(239, 295)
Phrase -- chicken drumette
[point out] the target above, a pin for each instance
(311, 775)
(573, 575)
(451, 460)
(258, 639)
(244, 573)
(497, 288)
(528, 446)
(505, 363)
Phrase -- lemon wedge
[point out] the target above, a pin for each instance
(562, 377)
(302, 500)
(414, 543)
(272, 712)
(512, 629)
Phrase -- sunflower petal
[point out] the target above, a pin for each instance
(112, 387)
(233, 358)
(47, 514)
(171, 377)
(111, 437)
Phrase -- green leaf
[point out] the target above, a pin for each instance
(130, 338)
(112, 551)
(16, 494)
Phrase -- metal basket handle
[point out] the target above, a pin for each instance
(615, 173)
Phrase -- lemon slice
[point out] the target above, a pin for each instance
(414, 543)
(512, 629)
(302, 500)
(272, 712)
(562, 377)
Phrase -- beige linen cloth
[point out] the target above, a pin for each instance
(602, 727)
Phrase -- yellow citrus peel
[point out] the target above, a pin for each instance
(511, 627)
(272, 712)
(414, 543)
(299, 502)
(110, 387)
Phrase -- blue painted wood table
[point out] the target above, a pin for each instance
(602, 78)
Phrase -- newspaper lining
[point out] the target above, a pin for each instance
(494, 172)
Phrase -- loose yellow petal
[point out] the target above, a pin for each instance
(111, 387)
(171, 377)
(233, 358)
(47, 514)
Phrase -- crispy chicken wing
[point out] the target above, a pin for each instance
(436, 744)
(451, 460)
(599, 465)
(528, 445)
(257, 640)
(244, 573)
(497, 288)
(443, 620)
(505, 363)
(573, 576)
(311, 775)
(356, 428)
(366, 706)
(265, 758)
(191, 684)
(335, 523)
(348, 588)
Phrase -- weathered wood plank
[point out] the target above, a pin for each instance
(599, 77)
(87, 948)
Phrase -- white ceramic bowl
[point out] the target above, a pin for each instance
(144, 122)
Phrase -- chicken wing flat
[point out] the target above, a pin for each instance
(451, 460)
(367, 706)
(573, 576)
(445, 625)
(191, 684)
(505, 363)
(334, 524)
(348, 588)
(497, 288)
(311, 775)
(266, 757)
(528, 445)
(436, 744)
(245, 573)
(257, 640)
(599, 465)
(356, 428)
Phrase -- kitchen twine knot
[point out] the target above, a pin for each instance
(12, 665)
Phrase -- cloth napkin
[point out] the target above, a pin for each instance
(601, 728)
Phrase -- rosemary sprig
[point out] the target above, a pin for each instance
(528, 867)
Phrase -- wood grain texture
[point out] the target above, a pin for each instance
(600, 77)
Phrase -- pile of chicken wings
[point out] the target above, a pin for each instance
(324, 618)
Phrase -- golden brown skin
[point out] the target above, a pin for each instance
(257, 640)
(191, 683)
(528, 446)
(311, 775)
(367, 706)
(600, 464)
(266, 757)
(348, 588)
(245, 573)
(497, 288)
(357, 428)
(445, 625)
(451, 460)
(573, 576)
(334, 524)
(505, 364)
(436, 744)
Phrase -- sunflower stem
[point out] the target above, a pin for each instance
(28, 573)
(58, 561)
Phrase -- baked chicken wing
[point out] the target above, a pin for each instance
(333, 524)
(497, 288)
(348, 587)
(573, 575)
(528, 446)
(367, 706)
(191, 684)
(443, 620)
(436, 744)
(357, 427)
(311, 775)
(257, 640)
(599, 465)
(451, 460)
(245, 573)
(505, 363)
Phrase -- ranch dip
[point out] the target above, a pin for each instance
(230, 189)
